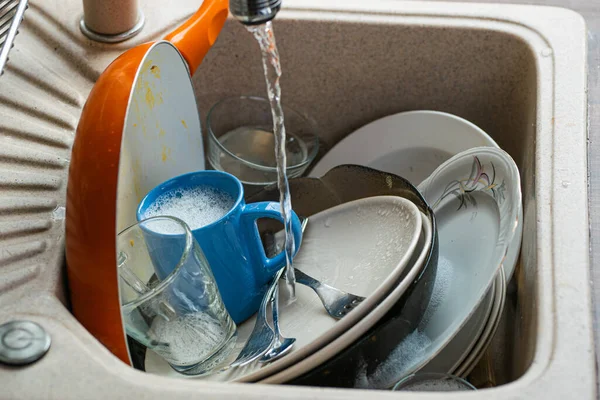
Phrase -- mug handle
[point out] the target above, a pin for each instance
(267, 209)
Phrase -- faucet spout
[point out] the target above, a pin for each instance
(254, 12)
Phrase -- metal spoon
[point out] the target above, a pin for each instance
(281, 345)
(262, 336)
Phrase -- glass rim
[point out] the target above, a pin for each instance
(189, 240)
(212, 138)
(431, 376)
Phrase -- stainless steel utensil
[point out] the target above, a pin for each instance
(11, 15)
(304, 222)
(281, 345)
(337, 302)
(262, 335)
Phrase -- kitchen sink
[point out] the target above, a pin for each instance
(518, 72)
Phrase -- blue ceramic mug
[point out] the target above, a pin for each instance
(231, 244)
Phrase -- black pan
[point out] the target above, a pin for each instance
(360, 360)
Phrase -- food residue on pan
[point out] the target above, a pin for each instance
(155, 71)
(166, 152)
(161, 133)
(183, 123)
(150, 98)
(131, 242)
(147, 64)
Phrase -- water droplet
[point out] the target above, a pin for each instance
(546, 52)
(565, 184)
(327, 222)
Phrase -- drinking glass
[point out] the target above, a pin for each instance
(433, 382)
(179, 315)
(241, 140)
(232, 243)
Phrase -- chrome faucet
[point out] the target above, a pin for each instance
(254, 12)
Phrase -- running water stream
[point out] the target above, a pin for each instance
(270, 57)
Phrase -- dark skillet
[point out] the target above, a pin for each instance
(341, 185)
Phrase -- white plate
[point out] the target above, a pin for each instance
(476, 196)
(488, 334)
(455, 353)
(410, 144)
(336, 251)
(510, 261)
(359, 329)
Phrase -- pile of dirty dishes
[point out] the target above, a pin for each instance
(379, 268)
(430, 262)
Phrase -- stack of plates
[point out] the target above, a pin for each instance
(432, 263)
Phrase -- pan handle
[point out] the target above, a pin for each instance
(196, 36)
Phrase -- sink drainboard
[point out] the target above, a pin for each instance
(505, 68)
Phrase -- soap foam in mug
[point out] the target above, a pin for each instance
(197, 206)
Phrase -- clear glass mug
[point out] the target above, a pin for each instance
(181, 317)
(241, 140)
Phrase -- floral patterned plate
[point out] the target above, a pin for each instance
(476, 197)
(484, 178)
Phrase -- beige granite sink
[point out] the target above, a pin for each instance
(518, 72)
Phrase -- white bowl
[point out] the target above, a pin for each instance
(410, 144)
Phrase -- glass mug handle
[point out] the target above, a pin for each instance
(267, 209)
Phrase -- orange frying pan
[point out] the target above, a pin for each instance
(93, 176)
